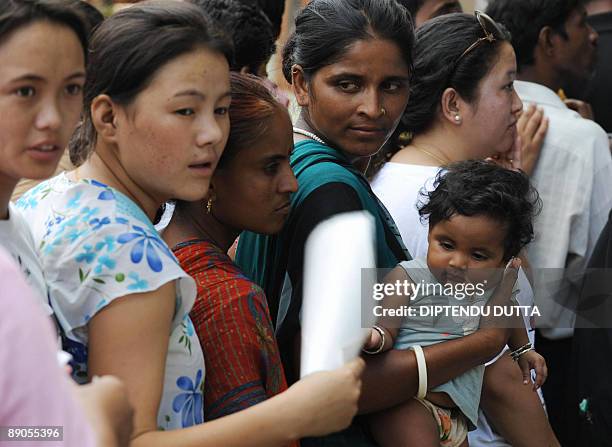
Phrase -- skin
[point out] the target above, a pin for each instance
(150, 150)
(250, 192)
(343, 102)
(558, 59)
(486, 126)
(175, 129)
(435, 8)
(329, 111)
(41, 79)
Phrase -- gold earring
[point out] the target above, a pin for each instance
(209, 205)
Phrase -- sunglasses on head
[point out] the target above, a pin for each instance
(490, 29)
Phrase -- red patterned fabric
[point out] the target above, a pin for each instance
(233, 324)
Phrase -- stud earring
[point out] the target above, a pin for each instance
(457, 118)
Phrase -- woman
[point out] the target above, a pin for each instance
(40, 102)
(349, 63)
(464, 107)
(249, 190)
(154, 125)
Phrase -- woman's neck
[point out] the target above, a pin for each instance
(104, 167)
(192, 221)
(361, 163)
(435, 147)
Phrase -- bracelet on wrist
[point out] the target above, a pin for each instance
(380, 348)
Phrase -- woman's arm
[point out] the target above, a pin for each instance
(391, 378)
(129, 339)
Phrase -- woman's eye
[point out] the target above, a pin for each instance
(185, 112)
(221, 111)
(348, 86)
(509, 87)
(25, 92)
(271, 169)
(391, 86)
(74, 89)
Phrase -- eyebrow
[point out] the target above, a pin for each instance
(36, 78)
(199, 94)
(348, 75)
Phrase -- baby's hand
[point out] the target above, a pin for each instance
(532, 360)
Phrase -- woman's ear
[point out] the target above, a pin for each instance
(453, 107)
(103, 116)
(300, 86)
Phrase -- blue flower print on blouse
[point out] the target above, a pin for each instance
(190, 404)
(148, 244)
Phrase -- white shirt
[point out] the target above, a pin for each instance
(574, 178)
(16, 238)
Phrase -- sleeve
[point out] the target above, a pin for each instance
(26, 399)
(242, 360)
(91, 262)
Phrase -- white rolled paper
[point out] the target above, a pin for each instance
(333, 330)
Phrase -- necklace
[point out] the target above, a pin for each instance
(434, 156)
(308, 134)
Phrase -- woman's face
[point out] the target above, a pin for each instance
(252, 192)
(171, 136)
(489, 123)
(356, 102)
(41, 79)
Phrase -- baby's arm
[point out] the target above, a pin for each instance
(389, 325)
(528, 360)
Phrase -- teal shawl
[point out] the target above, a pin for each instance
(315, 165)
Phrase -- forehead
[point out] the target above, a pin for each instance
(475, 231)
(276, 140)
(372, 58)
(34, 46)
(504, 64)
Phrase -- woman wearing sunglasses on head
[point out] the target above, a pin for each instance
(463, 106)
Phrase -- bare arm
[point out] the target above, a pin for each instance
(120, 344)
(391, 378)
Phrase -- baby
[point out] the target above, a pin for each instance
(480, 217)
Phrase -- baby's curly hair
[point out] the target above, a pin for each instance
(472, 188)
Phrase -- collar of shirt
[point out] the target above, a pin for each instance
(538, 93)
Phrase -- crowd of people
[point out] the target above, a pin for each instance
(157, 193)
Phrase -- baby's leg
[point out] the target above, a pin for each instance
(407, 425)
(513, 408)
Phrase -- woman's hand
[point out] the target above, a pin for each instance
(326, 402)
(108, 410)
(532, 127)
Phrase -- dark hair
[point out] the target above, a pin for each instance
(92, 15)
(249, 27)
(473, 188)
(325, 29)
(274, 10)
(438, 65)
(129, 48)
(525, 19)
(15, 14)
(250, 111)
(412, 6)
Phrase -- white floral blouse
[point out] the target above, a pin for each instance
(96, 245)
